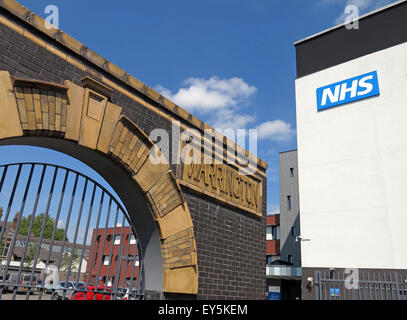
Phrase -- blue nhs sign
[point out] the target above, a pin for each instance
(357, 88)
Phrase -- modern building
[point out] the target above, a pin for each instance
(114, 258)
(352, 149)
(283, 269)
(289, 209)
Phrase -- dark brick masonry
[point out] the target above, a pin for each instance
(230, 244)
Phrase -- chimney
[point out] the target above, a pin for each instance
(15, 220)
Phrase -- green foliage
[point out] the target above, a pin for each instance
(2, 245)
(30, 255)
(37, 225)
(75, 261)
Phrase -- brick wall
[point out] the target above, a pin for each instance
(230, 244)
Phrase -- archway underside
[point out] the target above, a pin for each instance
(84, 115)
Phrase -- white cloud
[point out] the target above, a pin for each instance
(276, 130)
(61, 224)
(273, 210)
(221, 102)
(207, 95)
(229, 119)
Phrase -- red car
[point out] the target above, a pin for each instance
(101, 293)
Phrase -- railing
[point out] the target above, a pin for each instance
(372, 285)
(56, 227)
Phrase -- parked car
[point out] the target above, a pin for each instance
(22, 284)
(90, 293)
(65, 289)
(27, 282)
(133, 295)
(120, 293)
(46, 287)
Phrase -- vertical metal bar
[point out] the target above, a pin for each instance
(86, 233)
(126, 260)
(93, 251)
(111, 249)
(343, 286)
(3, 177)
(103, 245)
(140, 276)
(353, 292)
(9, 205)
(73, 246)
(27, 239)
(374, 285)
(370, 288)
(392, 286)
(14, 237)
(67, 226)
(119, 260)
(135, 255)
(55, 227)
(95, 232)
(380, 287)
(317, 286)
(389, 287)
(37, 253)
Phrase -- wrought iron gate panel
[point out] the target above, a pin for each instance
(64, 236)
(331, 285)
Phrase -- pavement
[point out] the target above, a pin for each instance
(22, 296)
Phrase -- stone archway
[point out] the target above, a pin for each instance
(81, 121)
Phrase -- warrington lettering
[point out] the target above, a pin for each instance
(225, 182)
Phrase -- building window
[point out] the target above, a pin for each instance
(130, 259)
(275, 233)
(269, 234)
(289, 202)
(117, 239)
(133, 239)
(109, 237)
(268, 259)
(294, 231)
(111, 281)
(292, 172)
(290, 259)
(106, 260)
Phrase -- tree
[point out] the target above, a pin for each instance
(37, 225)
(2, 247)
(30, 256)
(75, 261)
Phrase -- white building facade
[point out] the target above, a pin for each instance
(352, 156)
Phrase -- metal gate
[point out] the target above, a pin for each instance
(64, 236)
(335, 285)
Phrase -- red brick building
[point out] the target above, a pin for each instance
(272, 238)
(113, 255)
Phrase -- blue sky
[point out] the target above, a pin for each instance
(229, 62)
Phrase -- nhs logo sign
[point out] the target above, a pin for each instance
(357, 88)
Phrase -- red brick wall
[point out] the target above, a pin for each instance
(273, 247)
